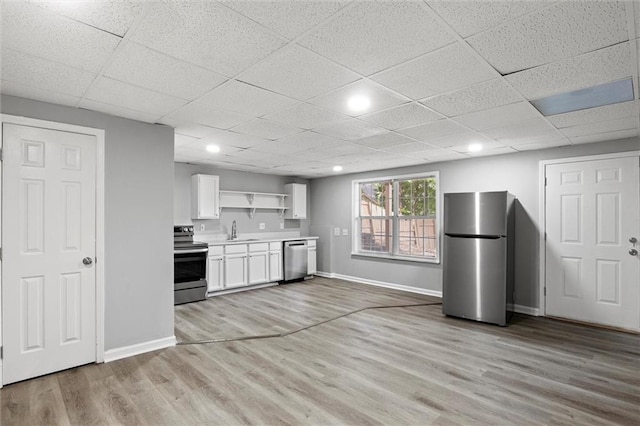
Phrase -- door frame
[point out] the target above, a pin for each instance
(542, 246)
(100, 209)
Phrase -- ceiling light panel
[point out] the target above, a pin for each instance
(590, 69)
(245, 99)
(592, 115)
(433, 130)
(208, 116)
(533, 39)
(407, 115)
(371, 36)
(298, 73)
(306, 116)
(499, 117)
(16, 89)
(205, 33)
(147, 68)
(481, 96)
(38, 32)
(445, 70)
(379, 98)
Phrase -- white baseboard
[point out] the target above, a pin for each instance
(400, 287)
(527, 310)
(139, 348)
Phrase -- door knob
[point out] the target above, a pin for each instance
(633, 252)
(633, 240)
(87, 261)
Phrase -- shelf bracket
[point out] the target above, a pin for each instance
(251, 197)
(252, 212)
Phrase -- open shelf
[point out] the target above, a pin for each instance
(252, 201)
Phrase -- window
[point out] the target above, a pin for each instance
(397, 217)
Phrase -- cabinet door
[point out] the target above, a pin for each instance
(205, 197)
(296, 201)
(275, 266)
(311, 261)
(215, 277)
(235, 271)
(258, 268)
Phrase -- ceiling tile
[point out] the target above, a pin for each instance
(147, 68)
(115, 17)
(602, 137)
(532, 40)
(592, 115)
(371, 36)
(306, 116)
(298, 73)
(16, 89)
(225, 148)
(499, 117)
(417, 149)
(245, 99)
(379, 97)
(288, 18)
(590, 69)
(519, 129)
(407, 115)
(44, 34)
(457, 139)
(188, 128)
(433, 130)
(182, 140)
(471, 17)
(306, 141)
(445, 155)
(350, 129)
(487, 147)
(344, 149)
(481, 96)
(117, 93)
(208, 116)
(238, 140)
(42, 74)
(207, 34)
(451, 68)
(542, 145)
(495, 151)
(383, 140)
(266, 129)
(601, 127)
(118, 111)
(531, 137)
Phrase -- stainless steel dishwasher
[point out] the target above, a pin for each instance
(295, 260)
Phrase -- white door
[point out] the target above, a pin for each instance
(48, 293)
(592, 272)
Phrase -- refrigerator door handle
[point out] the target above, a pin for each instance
(484, 237)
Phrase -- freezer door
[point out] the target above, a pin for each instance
(475, 279)
(475, 213)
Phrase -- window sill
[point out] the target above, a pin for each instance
(396, 257)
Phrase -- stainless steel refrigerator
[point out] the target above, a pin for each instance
(478, 259)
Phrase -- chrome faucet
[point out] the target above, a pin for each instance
(234, 231)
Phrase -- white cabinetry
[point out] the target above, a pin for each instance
(252, 201)
(275, 261)
(205, 197)
(258, 263)
(235, 266)
(215, 269)
(296, 201)
(311, 257)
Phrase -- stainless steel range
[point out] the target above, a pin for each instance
(189, 266)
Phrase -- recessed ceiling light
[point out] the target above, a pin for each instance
(213, 148)
(475, 147)
(337, 168)
(359, 103)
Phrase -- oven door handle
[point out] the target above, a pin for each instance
(190, 251)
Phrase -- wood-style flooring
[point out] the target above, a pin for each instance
(408, 365)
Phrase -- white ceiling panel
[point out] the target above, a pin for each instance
(266, 129)
(490, 146)
(417, 149)
(182, 140)
(238, 140)
(451, 68)
(592, 115)
(590, 69)
(38, 94)
(42, 74)
(202, 144)
(141, 66)
(305, 116)
(350, 129)
(601, 127)
(445, 155)
(433, 130)
(520, 129)
(459, 139)
(344, 149)
(206, 33)
(380, 98)
(307, 141)
(542, 145)
(499, 117)
(531, 137)
(495, 151)
(245, 99)
(471, 17)
(44, 34)
(481, 96)
(288, 18)
(115, 17)
(407, 115)
(601, 137)
(118, 111)
(188, 128)
(117, 93)
(384, 140)
(208, 116)
(298, 73)
(371, 36)
(533, 39)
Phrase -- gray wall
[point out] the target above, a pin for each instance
(232, 180)
(516, 173)
(138, 220)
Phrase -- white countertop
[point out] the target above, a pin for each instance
(244, 240)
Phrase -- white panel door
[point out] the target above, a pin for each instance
(592, 270)
(48, 293)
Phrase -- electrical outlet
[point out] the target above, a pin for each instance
(202, 226)
(345, 231)
(336, 232)
(262, 226)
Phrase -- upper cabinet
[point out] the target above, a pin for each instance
(205, 197)
(296, 201)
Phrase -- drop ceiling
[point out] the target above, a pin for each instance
(268, 81)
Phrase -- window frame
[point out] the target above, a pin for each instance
(356, 249)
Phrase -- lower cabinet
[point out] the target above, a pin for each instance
(215, 277)
(235, 266)
(311, 258)
(258, 263)
(275, 261)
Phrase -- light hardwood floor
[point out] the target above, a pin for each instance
(391, 366)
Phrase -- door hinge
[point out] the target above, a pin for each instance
(0, 154)
(0, 253)
(545, 181)
(545, 291)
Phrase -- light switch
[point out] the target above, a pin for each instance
(336, 232)
(345, 231)
(202, 226)
(262, 225)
